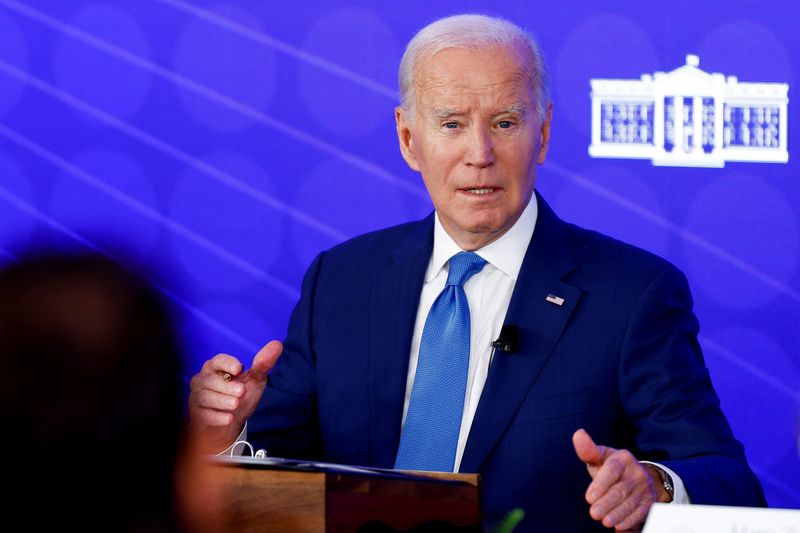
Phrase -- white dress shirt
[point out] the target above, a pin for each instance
(488, 292)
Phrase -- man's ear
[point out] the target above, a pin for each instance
(404, 138)
(545, 131)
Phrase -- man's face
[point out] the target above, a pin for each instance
(476, 139)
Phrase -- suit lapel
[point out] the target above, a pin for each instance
(394, 302)
(540, 323)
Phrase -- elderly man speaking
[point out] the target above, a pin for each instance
(599, 404)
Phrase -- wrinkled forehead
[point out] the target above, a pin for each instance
(492, 74)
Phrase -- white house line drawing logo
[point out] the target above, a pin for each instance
(689, 117)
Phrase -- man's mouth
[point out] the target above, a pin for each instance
(480, 192)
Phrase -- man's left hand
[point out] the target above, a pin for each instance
(622, 490)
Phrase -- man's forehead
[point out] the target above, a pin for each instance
(473, 56)
(496, 73)
(440, 98)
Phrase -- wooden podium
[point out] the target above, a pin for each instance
(263, 498)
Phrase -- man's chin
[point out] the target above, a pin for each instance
(479, 235)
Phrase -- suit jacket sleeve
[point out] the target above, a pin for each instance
(286, 422)
(668, 397)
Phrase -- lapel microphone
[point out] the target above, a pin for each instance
(508, 340)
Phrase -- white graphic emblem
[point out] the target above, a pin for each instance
(689, 117)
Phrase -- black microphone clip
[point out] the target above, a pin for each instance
(508, 341)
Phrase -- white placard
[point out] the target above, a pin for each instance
(665, 518)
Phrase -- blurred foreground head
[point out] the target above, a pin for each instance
(90, 403)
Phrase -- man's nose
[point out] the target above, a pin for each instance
(480, 152)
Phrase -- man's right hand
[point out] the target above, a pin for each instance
(218, 408)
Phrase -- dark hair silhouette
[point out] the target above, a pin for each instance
(90, 404)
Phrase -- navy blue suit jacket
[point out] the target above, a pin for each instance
(619, 358)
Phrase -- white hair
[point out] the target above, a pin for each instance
(471, 31)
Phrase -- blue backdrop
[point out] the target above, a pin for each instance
(230, 143)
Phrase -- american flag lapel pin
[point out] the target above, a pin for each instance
(553, 299)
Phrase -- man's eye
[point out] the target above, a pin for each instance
(505, 124)
(451, 125)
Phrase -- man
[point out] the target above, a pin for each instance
(606, 336)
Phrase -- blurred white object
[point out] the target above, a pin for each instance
(664, 518)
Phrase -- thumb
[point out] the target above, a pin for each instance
(588, 452)
(265, 359)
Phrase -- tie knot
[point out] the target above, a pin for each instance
(463, 266)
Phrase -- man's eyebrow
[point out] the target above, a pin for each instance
(444, 112)
(516, 108)
(441, 113)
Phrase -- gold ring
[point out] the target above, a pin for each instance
(226, 376)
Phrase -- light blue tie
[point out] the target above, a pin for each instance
(430, 433)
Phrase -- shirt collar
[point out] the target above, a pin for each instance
(505, 254)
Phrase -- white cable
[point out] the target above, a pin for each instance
(242, 442)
